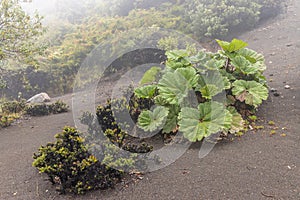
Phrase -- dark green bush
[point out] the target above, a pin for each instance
(7, 119)
(13, 106)
(68, 164)
(218, 18)
(46, 109)
(38, 109)
(58, 107)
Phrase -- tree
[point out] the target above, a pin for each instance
(19, 33)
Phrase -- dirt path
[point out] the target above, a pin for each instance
(255, 166)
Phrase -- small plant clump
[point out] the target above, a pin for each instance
(69, 165)
(118, 117)
(46, 109)
(187, 92)
(10, 111)
(7, 119)
(13, 106)
(78, 163)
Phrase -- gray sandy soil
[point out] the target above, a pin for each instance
(254, 166)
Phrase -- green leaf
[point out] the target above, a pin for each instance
(201, 57)
(251, 55)
(234, 45)
(209, 90)
(177, 59)
(145, 91)
(214, 64)
(176, 54)
(212, 83)
(174, 86)
(153, 120)
(160, 100)
(209, 118)
(150, 75)
(190, 75)
(238, 123)
(172, 119)
(251, 92)
(244, 65)
(229, 76)
(174, 64)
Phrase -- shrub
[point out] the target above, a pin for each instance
(215, 18)
(79, 163)
(58, 107)
(68, 164)
(46, 109)
(13, 106)
(7, 119)
(10, 111)
(38, 109)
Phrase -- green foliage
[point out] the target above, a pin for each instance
(46, 109)
(251, 92)
(86, 24)
(13, 106)
(238, 123)
(218, 18)
(58, 107)
(146, 91)
(153, 120)
(232, 46)
(150, 75)
(19, 33)
(117, 118)
(189, 86)
(10, 111)
(6, 119)
(68, 164)
(209, 118)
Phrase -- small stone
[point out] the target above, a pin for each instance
(289, 45)
(287, 87)
(276, 94)
(270, 62)
(271, 75)
(273, 90)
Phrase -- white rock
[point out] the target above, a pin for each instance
(287, 87)
(39, 98)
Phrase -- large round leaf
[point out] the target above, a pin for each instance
(175, 86)
(209, 118)
(153, 120)
(212, 83)
(251, 92)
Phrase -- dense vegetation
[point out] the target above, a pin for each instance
(198, 93)
(85, 24)
(201, 95)
(204, 94)
(10, 111)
